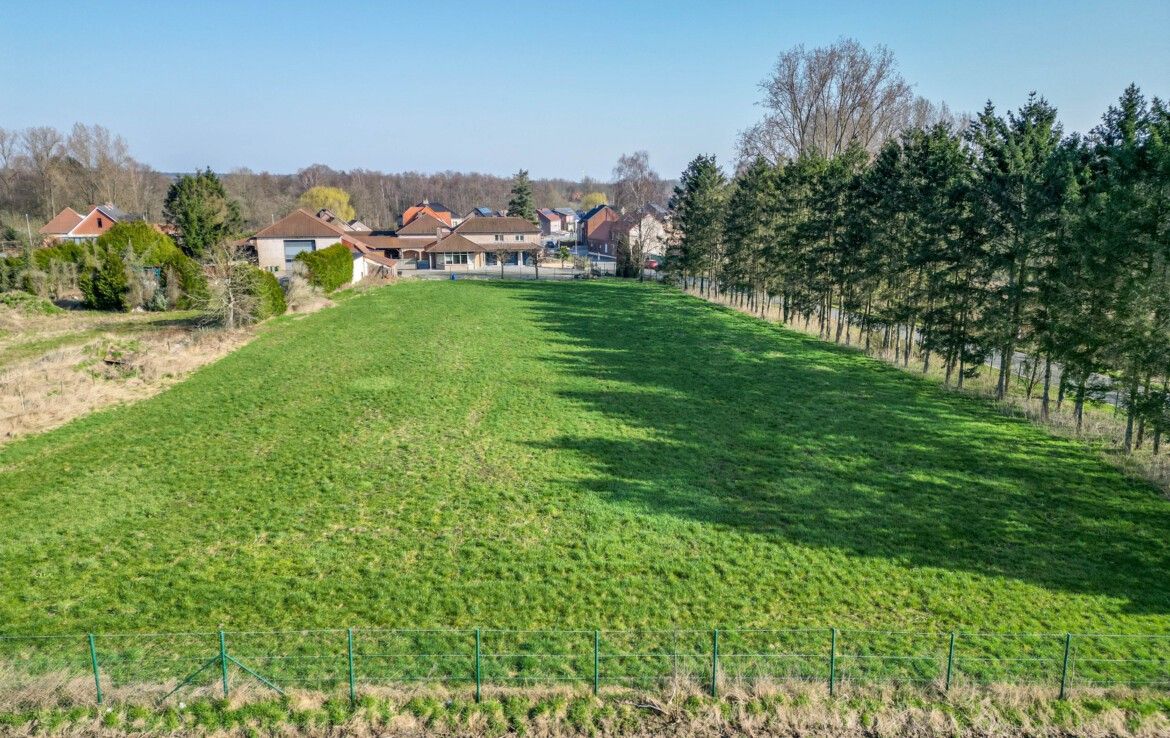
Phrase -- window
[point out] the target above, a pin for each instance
(519, 238)
(99, 222)
(499, 237)
(292, 248)
(456, 258)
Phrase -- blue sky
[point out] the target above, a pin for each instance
(560, 89)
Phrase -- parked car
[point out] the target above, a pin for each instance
(651, 264)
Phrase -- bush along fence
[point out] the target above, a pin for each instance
(161, 666)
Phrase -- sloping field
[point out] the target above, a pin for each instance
(519, 455)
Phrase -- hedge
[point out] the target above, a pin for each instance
(328, 268)
(102, 279)
(271, 297)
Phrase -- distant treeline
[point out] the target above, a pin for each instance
(43, 170)
(956, 242)
(379, 198)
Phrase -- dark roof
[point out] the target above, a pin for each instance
(482, 212)
(565, 211)
(118, 214)
(502, 224)
(594, 211)
(438, 207)
(422, 225)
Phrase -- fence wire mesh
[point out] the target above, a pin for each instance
(136, 666)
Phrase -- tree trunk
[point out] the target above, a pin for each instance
(1001, 381)
(1157, 443)
(1129, 420)
(1047, 386)
(909, 344)
(1079, 406)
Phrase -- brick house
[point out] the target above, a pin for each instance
(70, 225)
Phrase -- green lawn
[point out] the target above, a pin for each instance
(566, 455)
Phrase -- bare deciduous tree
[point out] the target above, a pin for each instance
(231, 298)
(44, 146)
(101, 159)
(824, 99)
(635, 184)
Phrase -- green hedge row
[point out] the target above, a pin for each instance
(271, 302)
(328, 268)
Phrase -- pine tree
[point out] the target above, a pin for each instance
(199, 208)
(1127, 223)
(1013, 164)
(748, 231)
(696, 224)
(946, 248)
(521, 204)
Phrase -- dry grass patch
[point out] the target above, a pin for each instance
(54, 368)
(779, 709)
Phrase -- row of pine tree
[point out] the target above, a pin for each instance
(953, 245)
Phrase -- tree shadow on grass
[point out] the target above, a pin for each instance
(762, 430)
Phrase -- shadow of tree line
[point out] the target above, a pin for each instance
(761, 430)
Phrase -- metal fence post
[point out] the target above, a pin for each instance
(223, 661)
(715, 663)
(477, 670)
(950, 661)
(349, 658)
(1064, 666)
(596, 662)
(832, 661)
(97, 676)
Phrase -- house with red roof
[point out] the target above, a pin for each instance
(70, 225)
(551, 222)
(436, 210)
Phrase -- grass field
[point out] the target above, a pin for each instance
(570, 455)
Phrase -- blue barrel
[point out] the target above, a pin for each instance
(454, 276)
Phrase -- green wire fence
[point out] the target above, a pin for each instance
(160, 666)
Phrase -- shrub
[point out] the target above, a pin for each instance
(183, 280)
(105, 285)
(28, 304)
(63, 253)
(299, 295)
(238, 292)
(328, 268)
(131, 264)
(270, 297)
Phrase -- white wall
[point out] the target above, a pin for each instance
(653, 236)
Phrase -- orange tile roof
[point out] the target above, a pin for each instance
(62, 223)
